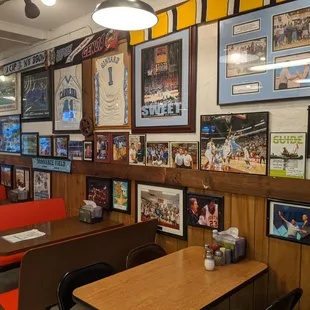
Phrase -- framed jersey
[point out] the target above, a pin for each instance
(205, 211)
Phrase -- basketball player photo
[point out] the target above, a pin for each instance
(205, 211)
(120, 148)
(157, 154)
(102, 147)
(137, 150)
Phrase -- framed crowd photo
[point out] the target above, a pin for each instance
(287, 158)
(10, 133)
(120, 148)
(88, 150)
(164, 203)
(45, 146)
(121, 195)
(184, 155)
(103, 147)
(265, 57)
(112, 89)
(68, 99)
(157, 154)
(137, 150)
(30, 144)
(60, 146)
(288, 220)
(165, 84)
(42, 185)
(6, 176)
(22, 178)
(75, 150)
(36, 96)
(205, 211)
(8, 93)
(234, 142)
(99, 190)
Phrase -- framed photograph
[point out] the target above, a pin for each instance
(42, 181)
(267, 57)
(164, 203)
(165, 84)
(103, 147)
(99, 190)
(184, 155)
(30, 144)
(88, 150)
(6, 176)
(8, 95)
(288, 155)
(234, 142)
(45, 146)
(288, 220)
(157, 154)
(22, 178)
(75, 150)
(68, 99)
(36, 96)
(120, 148)
(137, 150)
(121, 196)
(60, 146)
(10, 134)
(205, 211)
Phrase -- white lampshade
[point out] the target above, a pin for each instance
(49, 2)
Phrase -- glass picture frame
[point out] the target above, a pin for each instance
(22, 178)
(75, 150)
(120, 142)
(42, 184)
(60, 146)
(88, 150)
(121, 198)
(184, 155)
(103, 147)
(6, 176)
(99, 190)
(8, 93)
(136, 153)
(30, 143)
(10, 133)
(45, 146)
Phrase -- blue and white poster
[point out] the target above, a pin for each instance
(265, 55)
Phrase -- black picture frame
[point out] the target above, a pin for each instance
(65, 150)
(27, 78)
(91, 182)
(180, 233)
(214, 221)
(308, 134)
(16, 184)
(48, 153)
(299, 230)
(7, 141)
(8, 181)
(33, 134)
(35, 186)
(85, 144)
(79, 149)
(128, 195)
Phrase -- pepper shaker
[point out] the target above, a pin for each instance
(219, 258)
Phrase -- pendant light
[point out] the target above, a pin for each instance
(125, 15)
(31, 10)
(49, 2)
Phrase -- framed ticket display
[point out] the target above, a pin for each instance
(165, 84)
(264, 55)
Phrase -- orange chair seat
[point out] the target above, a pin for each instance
(9, 300)
(11, 259)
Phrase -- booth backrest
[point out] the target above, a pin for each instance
(2, 193)
(32, 212)
(44, 267)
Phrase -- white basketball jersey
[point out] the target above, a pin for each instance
(212, 219)
(109, 90)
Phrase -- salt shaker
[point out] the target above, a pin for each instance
(209, 262)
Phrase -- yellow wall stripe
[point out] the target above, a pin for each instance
(216, 9)
(246, 5)
(136, 37)
(186, 14)
(161, 28)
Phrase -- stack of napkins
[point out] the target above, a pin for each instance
(96, 211)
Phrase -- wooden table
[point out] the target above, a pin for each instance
(176, 281)
(56, 231)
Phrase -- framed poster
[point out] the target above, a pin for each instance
(137, 150)
(60, 146)
(205, 211)
(264, 55)
(184, 155)
(165, 84)
(75, 150)
(287, 158)
(42, 185)
(234, 142)
(88, 150)
(10, 130)
(8, 95)
(22, 178)
(30, 144)
(103, 148)
(99, 190)
(121, 195)
(120, 148)
(164, 203)
(36, 96)
(45, 146)
(157, 154)
(6, 176)
(68, 99)
(288, 220)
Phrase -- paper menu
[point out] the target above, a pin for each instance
(25, 235)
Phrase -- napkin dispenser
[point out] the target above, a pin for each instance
(19, 194)
(90, 212)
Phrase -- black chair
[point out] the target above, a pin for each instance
(80, 277)
(144, 254)
(288, 301)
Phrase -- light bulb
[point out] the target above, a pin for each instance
(49, 2)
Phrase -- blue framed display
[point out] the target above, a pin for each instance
(265, 55)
